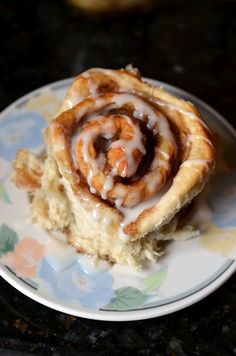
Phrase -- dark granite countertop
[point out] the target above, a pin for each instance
(190, 44)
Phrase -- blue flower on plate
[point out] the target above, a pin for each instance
(74, 285)
(223, 199)
(20, 130)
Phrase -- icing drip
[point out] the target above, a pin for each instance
(163, 153)
(118, 202)
(190, 138)
(106, 221)
(92, 190)
(174, 107)
(131, 214)
(91, 83)
(195, 162)
(141, 106)
(123, 154)
(96, 212)
(128, 147)
(109, 184)
(74, 100)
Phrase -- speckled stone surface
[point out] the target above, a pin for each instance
(190, 44)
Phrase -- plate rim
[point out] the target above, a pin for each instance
(102, 315)
(105, 315)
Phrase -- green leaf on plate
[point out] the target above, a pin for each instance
(127, 298)
(8, 239)
(3, 194)
(154, 281)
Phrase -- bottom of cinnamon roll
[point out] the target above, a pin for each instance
(52, 208)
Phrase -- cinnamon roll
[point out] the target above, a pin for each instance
(127, 158)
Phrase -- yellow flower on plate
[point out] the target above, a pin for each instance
(220, 240)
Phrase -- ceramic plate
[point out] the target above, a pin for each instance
(47, 270)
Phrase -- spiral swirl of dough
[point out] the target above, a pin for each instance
(119, 140)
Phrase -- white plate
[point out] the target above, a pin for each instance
(53, 274)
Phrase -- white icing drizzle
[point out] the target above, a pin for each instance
(120, 191)
(152, 181)
(156, 122)
(131, 214)
(163, 163)
(128, 147)
(195, 162)
(98, 216)
(138, 114)
(106, 221)
(108, 185)
(88, 136)
(89, 178)
(85, 198)
(96, 212)
(153, 118)
(119, 202)
(122, 235)
(91, 83)
(163, 153)
(92, 190)
(75, 98)
(107, 129)
(175, 107)
(190, 138)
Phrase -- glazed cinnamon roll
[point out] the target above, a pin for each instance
(129, 157)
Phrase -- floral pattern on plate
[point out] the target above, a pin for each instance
(64, 278)
(19, 130)
(76, 286)
(72, 284)
(25, 257)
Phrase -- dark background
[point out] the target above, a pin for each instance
(190, 44)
